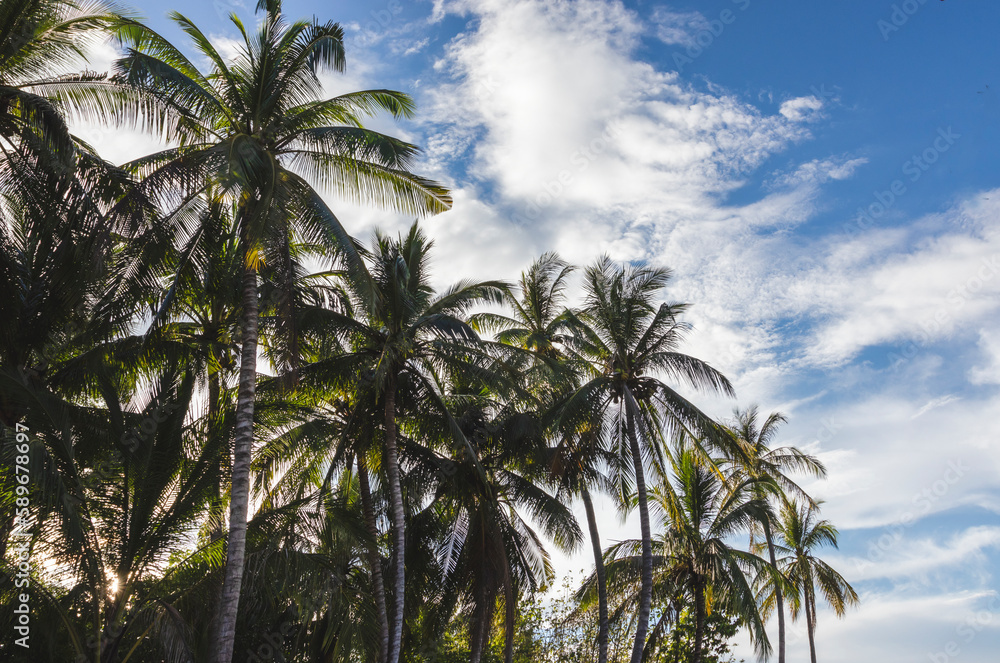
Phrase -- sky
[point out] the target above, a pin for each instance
(823, 180)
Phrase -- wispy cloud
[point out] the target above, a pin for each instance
(678, 28)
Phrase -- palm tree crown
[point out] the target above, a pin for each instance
(801, 533)
(631, 343)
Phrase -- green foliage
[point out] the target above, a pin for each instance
(678, 645)
(440, 435)
(453, 646)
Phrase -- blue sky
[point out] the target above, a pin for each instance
(736, 142)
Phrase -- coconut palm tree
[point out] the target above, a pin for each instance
(120, 482)
(490, 551)
(41, 40)
(800, 533)
(755, 459)
(695, 562)
(53, 190)
(540, 323)
(261, 150)
(398, 333)
(631, 343)
(576, 465)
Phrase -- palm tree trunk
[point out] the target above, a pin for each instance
(677, 630)
(699, 619)
(510, 616)
(778, 596)
(476, 644)
(602, 580)
(216, 508)
(239, 496)
(810, 622)
(397, 515)
(646, 587)
(480, 627)
(374, 560)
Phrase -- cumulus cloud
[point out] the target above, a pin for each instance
(565, 118)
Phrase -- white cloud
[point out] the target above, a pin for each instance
(820, 171)
(881, 288)
(678, 28)
(915, 557)
(899, 627)
(989, 373)
(565, 119)
(802, 109)
(889, 468)
(935, 403)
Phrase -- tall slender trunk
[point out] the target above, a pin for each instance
(374, 559)
(239, 493)
(482, 620)
(810, 622)
(778, 596)
(699, 619)
(397, 515)
(216, 509)
(677, 630)
(602, 580)
(646, 587)
(510, 614)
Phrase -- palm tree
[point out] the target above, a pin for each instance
(800, 532)
(334, 429)
(39, 41)
(121, 481)
(490, 551)
(399, 332)
(755, 459)
(540, 323)
(630, 342)
(54, 191)
(259, 149)
(576, 464)
(699, 514)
